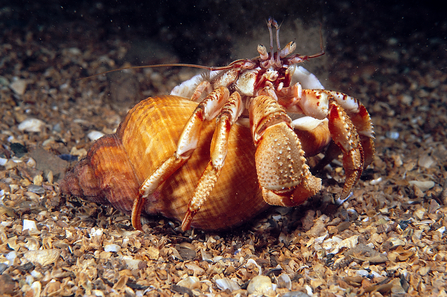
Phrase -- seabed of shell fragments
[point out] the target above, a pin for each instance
(389, 239)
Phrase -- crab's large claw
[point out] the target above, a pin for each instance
(345, 135)
(283, 174)
(282, 170)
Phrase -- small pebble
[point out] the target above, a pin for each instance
(153, 253)
(419, 213)
(74, 51)
(393, 41)
(227, 284)
(57, 128)
(49, 176)
(197, 269)
(36, 274)
(404, 224)
(132, 264)
(29, 225)
(18, 86)
(11, 256)
(260, 284)
(426, 161)
(406, 99)
(68, 157)
(37, 180)
(188, 282)
(96, 232)
(422, 185)
(295, 294)
(31, 125)
(36, 189)
(284, 281)
(392, 134)
(18, 149)
(95, 135)
(4, 81)
(114, 248)
(31, 163)
(78, 152)
(375, 181)
(8, 285)
(32, 244)
(36, 288)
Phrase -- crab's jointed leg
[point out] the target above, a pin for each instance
(344, 134)
(219, 148)
(349, 125)
(203, 87)
(207, 110)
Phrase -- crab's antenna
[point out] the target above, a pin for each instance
(161, 65)
(322, 52)
(297, 58)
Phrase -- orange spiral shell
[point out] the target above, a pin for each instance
(117, 164)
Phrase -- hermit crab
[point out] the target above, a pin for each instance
(223, 146)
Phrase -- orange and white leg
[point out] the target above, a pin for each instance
(362, 122)
(344, 134)
(349, 125)
(219, 149)
(207, 110)
(203, 88)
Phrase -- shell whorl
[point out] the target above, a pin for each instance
(104, 176)
(117, 164)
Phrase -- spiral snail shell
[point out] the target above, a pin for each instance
(117, 164)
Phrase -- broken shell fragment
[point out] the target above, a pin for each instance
(42, 257)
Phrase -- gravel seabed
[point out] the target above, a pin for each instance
(389, 239)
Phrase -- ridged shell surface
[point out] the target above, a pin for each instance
(144, 140)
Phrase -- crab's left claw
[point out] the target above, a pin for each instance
(344, 134)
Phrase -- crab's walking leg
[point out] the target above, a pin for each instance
(344, 131)
(349, 124)
(208, 109)
(345, 135)
(202, 88)
(219, 148)
(362, 122)
(283, 174)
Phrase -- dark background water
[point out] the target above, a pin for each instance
(203, 31)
